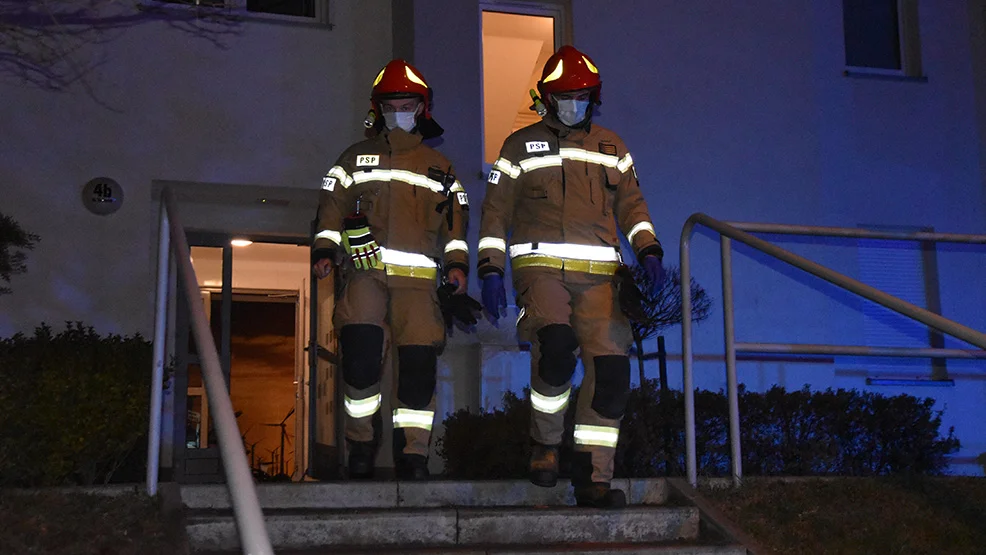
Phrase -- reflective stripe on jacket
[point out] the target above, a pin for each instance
(554, 184)
(398, 182)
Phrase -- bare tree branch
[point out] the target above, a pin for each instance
(14, 240)
(662, 307)
(46, 43)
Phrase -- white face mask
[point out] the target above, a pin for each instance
(571, 112)
(405, 120)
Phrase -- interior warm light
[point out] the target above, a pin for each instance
(241, 242)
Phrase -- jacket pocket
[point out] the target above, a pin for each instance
(536, 193)
(613, 178)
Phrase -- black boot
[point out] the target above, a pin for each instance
(411, 467)
(593, 494)
(599, 495)
(361, 457)
(544, 465)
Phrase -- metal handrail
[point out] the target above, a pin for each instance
(727, 233)
(239, 479)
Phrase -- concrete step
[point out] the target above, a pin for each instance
(676, 548)
(442, 528)
(433, 493)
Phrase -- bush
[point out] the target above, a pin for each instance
(73, 405)
(797, 433)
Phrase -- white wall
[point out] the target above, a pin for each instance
(742, 111)
(737, 110)
(274, 107)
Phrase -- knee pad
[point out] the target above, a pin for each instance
(362, 351)
(557, 345)
(416, 367)
(612, 385)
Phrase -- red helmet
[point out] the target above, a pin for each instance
(569, 70)
(400, 79)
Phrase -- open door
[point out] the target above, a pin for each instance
(327, 455)
(301, 382)
(196, 449)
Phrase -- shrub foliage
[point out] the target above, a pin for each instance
(73, 405)
(789, 433)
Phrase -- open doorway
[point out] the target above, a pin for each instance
(262, 381)
(256, 299)
(517, 42)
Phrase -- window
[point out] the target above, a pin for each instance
(300, 8)
(881, 37)
(276, 9)
(908, 270)
(516, 45)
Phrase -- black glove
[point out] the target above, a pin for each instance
(462, 311)
(631, 299)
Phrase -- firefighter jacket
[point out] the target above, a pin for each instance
(417, 210)
(554, 192)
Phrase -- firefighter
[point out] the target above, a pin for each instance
(393, 217)
(560, 192)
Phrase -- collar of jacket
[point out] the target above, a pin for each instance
(565, 132)
(401, 140)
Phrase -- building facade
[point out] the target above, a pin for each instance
(773, 112)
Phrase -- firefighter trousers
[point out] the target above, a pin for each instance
(562, 311)
(370, 304)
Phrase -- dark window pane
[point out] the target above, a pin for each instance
(207, 3)
(301, 8)
(872, 33)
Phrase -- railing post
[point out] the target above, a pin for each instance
(686, 352)
(239, 480)
(157, 369)
(729, 333)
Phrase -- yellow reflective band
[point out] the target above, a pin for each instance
(379, 77)
(410, 418)
(405, 176)
(567, 250)
(340, 174)
(408, 264)
(410, 75)
(456, 245)
(582, 155)
(401, 258)
(537, 162)
(493, 243)
(642, 226)
(506, 167)
(361, 408)
(554, 74)
(602, 436)
(333, 236)
(625, 163)
(431, 274)
(590, 65)
(457, 187)
(549, 405)
(586, 266)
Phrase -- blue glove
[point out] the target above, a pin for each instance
(494, 297)
(655, 271)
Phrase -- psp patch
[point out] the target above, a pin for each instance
(494, 177)
(537, 146)
(463, 199)
(329, 183)
(367, 160)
